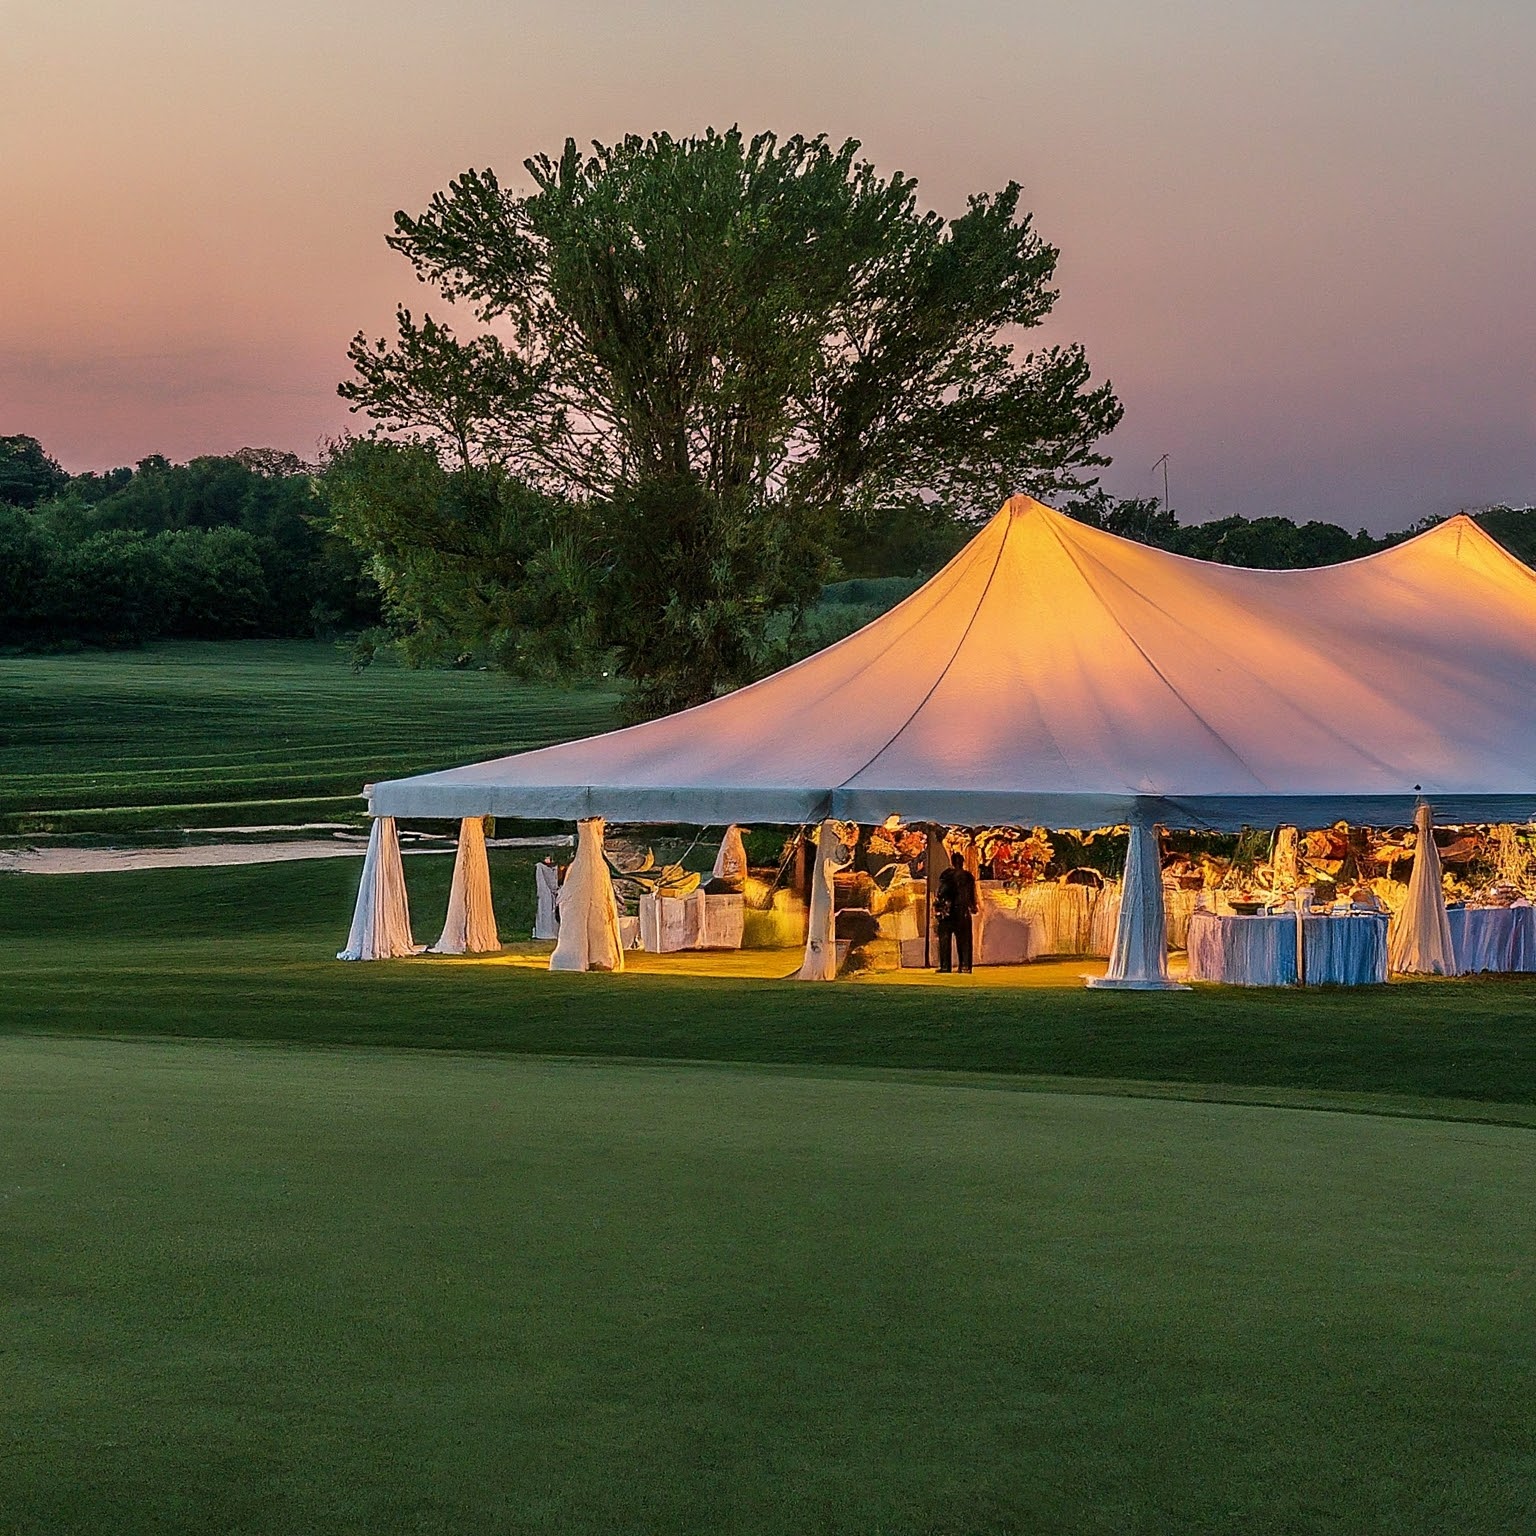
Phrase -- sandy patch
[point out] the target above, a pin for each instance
(102, 861)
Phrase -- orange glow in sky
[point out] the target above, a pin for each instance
(1298, 237)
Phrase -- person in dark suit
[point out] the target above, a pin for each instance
(954, 905)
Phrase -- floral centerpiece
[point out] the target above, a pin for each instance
(1017, 858)
(898, 842)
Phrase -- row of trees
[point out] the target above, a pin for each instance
(219, 548)
(1278, 543)
(243, 546)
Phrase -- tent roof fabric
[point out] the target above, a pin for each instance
(1054, 674)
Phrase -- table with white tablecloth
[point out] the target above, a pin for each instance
(1009, 929)
(1071, 919)
(1493, 938)
(697, 921)
(1260, 951)
(1080, 919)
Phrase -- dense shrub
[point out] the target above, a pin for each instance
(113, 588)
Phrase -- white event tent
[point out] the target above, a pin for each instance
(1055, 674)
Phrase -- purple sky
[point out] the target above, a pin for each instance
(1300, 238)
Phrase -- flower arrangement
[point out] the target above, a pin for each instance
(898, 842)
(1014, 855)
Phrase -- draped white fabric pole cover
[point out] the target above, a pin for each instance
(1139, 959)
(381, 920)
(589, 914)
(820, 963)
(470, 927)
(1420, 943)
(546, 889)
(731, 861)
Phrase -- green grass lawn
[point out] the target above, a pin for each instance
(844, 1258)
(264, 1290)
(246, 953)
(239, 733)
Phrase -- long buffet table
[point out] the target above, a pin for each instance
(1493, 938)
(1048, 918)
(1260, 951)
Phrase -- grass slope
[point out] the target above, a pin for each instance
(246, 732)
(246, 953)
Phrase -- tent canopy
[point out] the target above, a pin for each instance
(1052, 673)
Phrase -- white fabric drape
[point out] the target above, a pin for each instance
(546, 888)
(1420, 944)
(1138, 960)
(731, 861)
(589, 915)
(470, 926)
(820, 963)
(381, 920)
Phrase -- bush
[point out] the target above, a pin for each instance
(113, 588)
(216, 584)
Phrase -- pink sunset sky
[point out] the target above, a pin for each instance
(1300, 238)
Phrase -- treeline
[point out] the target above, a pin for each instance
(220, 548)
(918, 539)
(1278, 543)
(242, 546)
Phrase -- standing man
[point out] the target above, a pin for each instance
(954, 905)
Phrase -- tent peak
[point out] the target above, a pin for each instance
(1027, 506)
(1463, 539)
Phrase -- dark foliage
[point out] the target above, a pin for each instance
(218, 548)
(1277, 543)
(27, 474)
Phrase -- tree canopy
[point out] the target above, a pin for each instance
(714, 357)
(218, 548)
(28, 474)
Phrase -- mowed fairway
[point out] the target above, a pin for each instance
(232, 733)
(273, 1290)
(247, 953)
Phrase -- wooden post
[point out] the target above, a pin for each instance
(802, 868)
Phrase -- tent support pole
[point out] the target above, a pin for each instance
(931, 863)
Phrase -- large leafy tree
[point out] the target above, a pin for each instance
(721, 355)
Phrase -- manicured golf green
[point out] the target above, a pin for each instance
(266, 1290)
(233, 733)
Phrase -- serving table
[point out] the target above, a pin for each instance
(1009, 929)
(1079, 920)
(699, 921)
(1069, 919)
(1347, 950)
(1493, 938)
